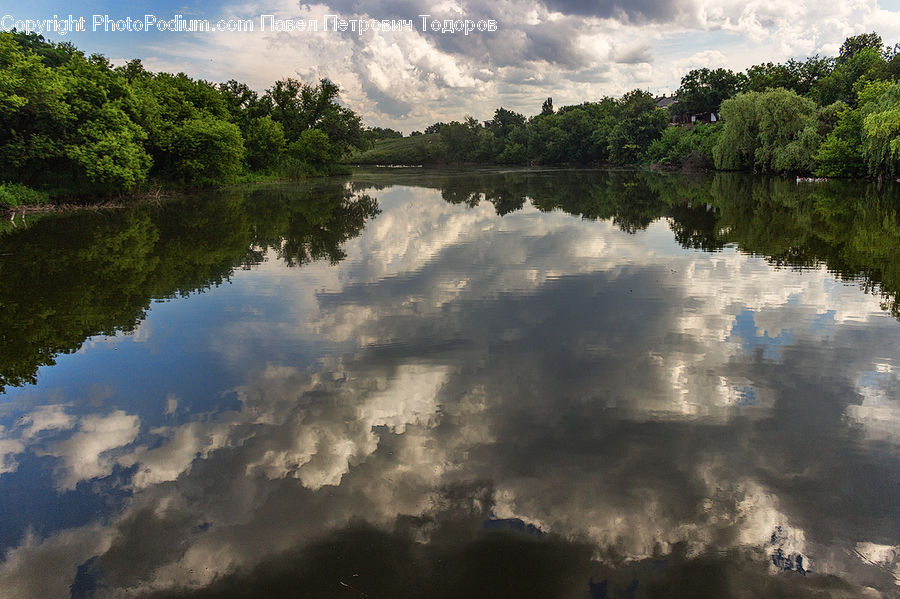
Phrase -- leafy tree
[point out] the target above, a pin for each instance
(640, 122)
(840, 85)
(461, 139)
(265, 143)
(67, 125)
(208, 150)
(32, 110)
(704, 90)
(810, 71)
(547, 107)
(855, 44)
(683, 146)
(314, 149)
(759, 128)
(880, 111)
(373, 133)
(301, 106)
(762, 77)
(242, 104)
(434, 127)
(505, 121)
(840, 154)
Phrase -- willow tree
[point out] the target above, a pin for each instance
(767, 131)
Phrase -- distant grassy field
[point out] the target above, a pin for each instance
(421, 149)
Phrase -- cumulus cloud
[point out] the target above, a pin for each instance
(9, 448)
(409, 79)
(87, 453)
(46, 418)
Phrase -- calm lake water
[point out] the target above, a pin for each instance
(491, 384)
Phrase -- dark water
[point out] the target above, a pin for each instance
(415, 384)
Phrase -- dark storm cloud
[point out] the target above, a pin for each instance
(385, 103)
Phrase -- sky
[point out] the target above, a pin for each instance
(570, 50)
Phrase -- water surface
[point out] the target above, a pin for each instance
(503, 384)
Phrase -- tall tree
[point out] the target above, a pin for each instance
(704, 90)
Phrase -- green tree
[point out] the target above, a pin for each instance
(704, 90)
(762, 77)
(209, 151)
(866, 64)
(505, 121)
(68, 125)
(855, 44)
(840, 154)
(461, 139)
(639, 123)
(314, 149)
(880, 111)
(759, 128)
(300, 106)
(547, 107)
(265, 143)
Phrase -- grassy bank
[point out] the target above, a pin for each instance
(418, 149)
(16, 195)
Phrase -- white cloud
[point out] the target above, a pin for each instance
(410, 79)
(85, 455)
(9, 448)
(46, 418)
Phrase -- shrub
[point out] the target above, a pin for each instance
(16, 194)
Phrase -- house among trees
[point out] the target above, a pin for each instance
(665, 101)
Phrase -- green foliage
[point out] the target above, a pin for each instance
(77, 125)
(461, 140)
(209, 151)
(866, 64)
(265, 143)
(72, 121)
(300, 106)
(880, 112)
(762, 77)
(505, 122)
(16, 194)
(547, 107)
(863, 140)
(840, 154)
(704, 90)
(310, 155)
(767, 131)
(639, 123)
(855, 44)
(682, 146)
(419, 149)
(372, 134)
(434, 127)
(615, 130)
(242, 104)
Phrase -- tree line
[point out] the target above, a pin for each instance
(74, 125)
(827, 116)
